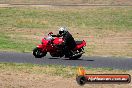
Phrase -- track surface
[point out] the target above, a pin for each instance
(101, 62)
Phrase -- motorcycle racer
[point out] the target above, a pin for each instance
(69, 42)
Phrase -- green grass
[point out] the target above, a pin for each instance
(54, 70)
(16, 45)
(98, 18)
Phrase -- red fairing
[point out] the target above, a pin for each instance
(44, 42)
(58, 41)
(43, 45)
(81, 45)
(40, 46)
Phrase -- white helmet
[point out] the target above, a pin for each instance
(62, 30)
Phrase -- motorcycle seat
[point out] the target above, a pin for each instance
(79, 42)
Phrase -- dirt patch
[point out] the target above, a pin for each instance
(5, 5)
(113, 43)
(26, 80)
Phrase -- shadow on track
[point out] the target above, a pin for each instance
(53, 58)
(78, 60)
(69, 59)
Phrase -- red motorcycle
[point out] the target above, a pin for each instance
(54, 45)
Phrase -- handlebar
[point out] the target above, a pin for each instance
(56, 35)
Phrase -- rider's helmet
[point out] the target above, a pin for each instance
(62, 30)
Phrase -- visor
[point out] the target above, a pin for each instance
(60, 32)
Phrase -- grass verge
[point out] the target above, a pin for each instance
(54, 70)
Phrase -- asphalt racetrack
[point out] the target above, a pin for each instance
(95, 62)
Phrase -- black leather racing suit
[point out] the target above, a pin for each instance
(69, 43)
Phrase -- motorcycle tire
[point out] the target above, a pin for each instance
(75, 57)
(38, 53)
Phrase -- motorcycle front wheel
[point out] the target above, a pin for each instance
(38, 53)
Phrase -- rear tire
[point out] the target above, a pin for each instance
(38, 53)
(75, 57)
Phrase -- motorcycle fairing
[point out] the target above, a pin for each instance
(78, 46)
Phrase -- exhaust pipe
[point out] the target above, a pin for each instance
(78, 54)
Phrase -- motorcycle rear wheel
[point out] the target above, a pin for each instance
(38, 53)
(75, 57)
